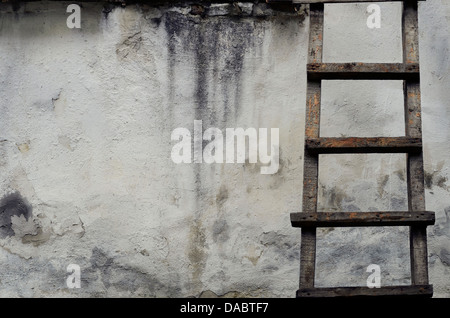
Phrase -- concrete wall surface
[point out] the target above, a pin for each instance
(87, 175)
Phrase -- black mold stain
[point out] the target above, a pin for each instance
(218, 46)
(213, 50)
(107, 9)
(428, 178)
(156, 21)
(15, 5)
(12, 205)
(434, 178)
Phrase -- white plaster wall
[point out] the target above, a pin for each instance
(85, 139)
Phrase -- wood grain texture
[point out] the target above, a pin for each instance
(316, 12)
(333, 145)
(308, 258)
(363, 71)
(386, 291)
(312, 116)
(413, 128)
(311, 162)
(354, 219)
(410, 32)
(413, 109)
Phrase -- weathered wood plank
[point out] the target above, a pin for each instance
(362, 71)
(312, 116)
(310, 186)
(328, 145)
(418, 255)
(311, 162)
(415, 182)
(315, 33)
(414, 167)
(308, 236)
(413, 109)
(308, 258)
(417, 234)
(410, 32)
(387, 291)
(354, 219)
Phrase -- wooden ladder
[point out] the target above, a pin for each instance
(416, 217)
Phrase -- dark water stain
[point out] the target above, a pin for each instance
(217, 46)
(175, 28)
(15, 5)
(400, 174)
(123, 277)
(434, 178)
(443, 228)
(398, 204)
(213, 50)
(332, 198)
(12, 205)
(428, 178)
(440, 182)
(222, 196)
(280, 245)
(382, 182)
(197, 250)
(220, 231)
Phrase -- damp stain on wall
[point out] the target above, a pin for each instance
(12, 204)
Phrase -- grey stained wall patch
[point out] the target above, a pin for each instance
(12, 204)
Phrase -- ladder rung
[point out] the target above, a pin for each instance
(355, 219)
(329, 145)
(389, 291)
(361, 71)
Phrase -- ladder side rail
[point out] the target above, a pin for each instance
(311, 161)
